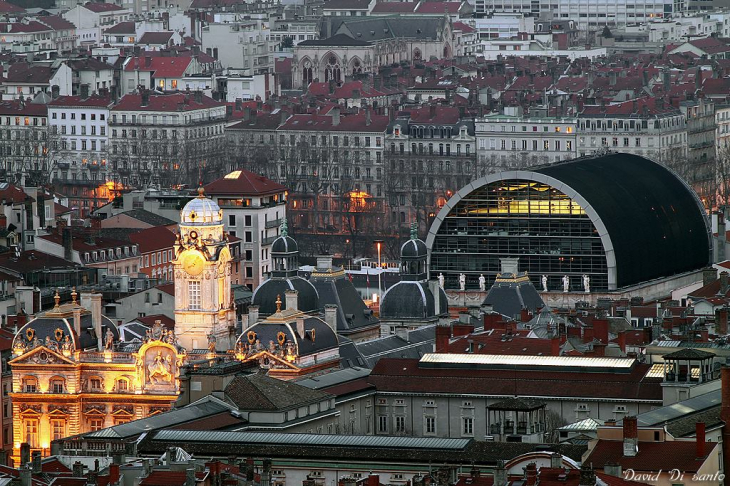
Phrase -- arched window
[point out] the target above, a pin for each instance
(356, 67)
(306, 73)
(122, 385)
(57, 384)
(332, 71)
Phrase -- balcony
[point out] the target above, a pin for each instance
(76, 182)
(273, 224)
(268, 241)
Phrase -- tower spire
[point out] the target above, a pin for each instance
(284, 228)
(414, 230)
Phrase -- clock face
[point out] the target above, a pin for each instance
(193, 263)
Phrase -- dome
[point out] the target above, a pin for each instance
(284, 244)
(201, 211)
(415, 248)
(56, 328)
(269, 332)
(265, 294)
(412, 300)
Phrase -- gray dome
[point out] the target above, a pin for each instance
(57, 328)
(201, 211)
(284, 244)
(414, 248)
(266, 332)
(266, 294)
(411, 300)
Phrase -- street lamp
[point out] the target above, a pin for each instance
(379, 246)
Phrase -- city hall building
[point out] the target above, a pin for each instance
(619, 219)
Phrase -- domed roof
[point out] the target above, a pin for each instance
(266, 294)
(284, 244)
(201, 211)
(56, 328)
(413, 249)
(267, 332)
(412, 300)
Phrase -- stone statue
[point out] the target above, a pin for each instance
(441, 280)
(544, 283)
(160, 369)
(586, 283)
(67, 346)
(482, 283)
(109, 339)
(462, 282)
(211, 343)
(566, 283)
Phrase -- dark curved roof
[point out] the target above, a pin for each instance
(284, 244)
(414, 248)
(46, 326)
(324, 337)
(655, 221)
(411, 300)
(265, 294)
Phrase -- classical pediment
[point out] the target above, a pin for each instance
(268, 360)
(40, 355)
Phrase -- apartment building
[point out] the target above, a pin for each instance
(431, 153)
(513, 140)
(241, 44)
(23, 142)
(166, 139)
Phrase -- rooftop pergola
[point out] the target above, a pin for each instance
(688, 366)
(517, 417)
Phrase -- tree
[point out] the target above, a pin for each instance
(553, 422)
(287, 42)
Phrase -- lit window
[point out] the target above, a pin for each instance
(31, 432)
(58, 429)
(194, 295)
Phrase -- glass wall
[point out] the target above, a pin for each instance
(548, 231)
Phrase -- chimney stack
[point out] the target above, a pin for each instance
(531, 474)
(335, 116)
(330, 316)
(443, 335)
(631, 437)
(84, 91)
(724, 282)
(291, 300)
(190, 476)
(113, 474)
(96, 319)
(700, 439)
(78, 469)
(67, 240)
(36, 462)
(253, 315)
(24, 454)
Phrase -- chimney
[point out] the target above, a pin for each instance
(253, 315)
(556, 461)
(612, 78)
(247, 113)
(631, 437)
(291, 298)
(621, 338)
(330, 316)
(335, 116)
(67, 239)
(78, 469)
(587, 476)
(198, 96)
(84, 91)
(500, 474)
(724, 282)
(36, 462)
(531, 474)
(700, 439)
(24, 454)
(190, 476)
(239, 104)
(555, 346)
(25, 476)
(709, 275)
(300, 327)
(145, 97)
(367, 117)
(525, 315)
(113, 474)
(613, 469)
(55, 91)
(96, 319)
(600, 330)
(432, 110)
(443, 334)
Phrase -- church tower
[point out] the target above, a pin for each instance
(204, 311)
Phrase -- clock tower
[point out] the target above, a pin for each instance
(204, 311)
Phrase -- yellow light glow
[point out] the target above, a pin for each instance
(565, 206)
(233, 175)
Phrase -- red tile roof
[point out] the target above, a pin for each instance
(81, 244)
(496, 343)
(9, 8)
(167, 288)
(15, 107)
(27, 74)
(652, 456)
(169, 102)
(467, 29)
(94, 101)
(100, 7)
(122, 28)
(395, 7)
(438, 7)
(405, 375)
(153, 239)
(162, 67)
(348, 123)
(13, 194)
(56, 22)
(447, 115)
(244, 183)
(32, 260)
(60, 209)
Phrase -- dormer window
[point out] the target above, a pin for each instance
(396, 130)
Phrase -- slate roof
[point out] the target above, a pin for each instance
(509, 296)
(122, 28)
(388, 27)
(26, 74)
(260, 392)
(155, 38)
(100, 7)
(265, 295)
(336, 40)
(352, 313)
(394, 7)
(148, 217)
(689, 354)
(412, 300)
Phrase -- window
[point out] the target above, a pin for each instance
(58, 429)
(122, 385)
(382, 423)
(30, 384)
(96, 424)
(57, 385)
(95, 383)
(400, 424)
(468, 426)
(31, 432)
(194, 295)
(430, 425)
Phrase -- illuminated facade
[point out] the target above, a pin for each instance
(617, 219)
(71, 375)
(204, 310)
